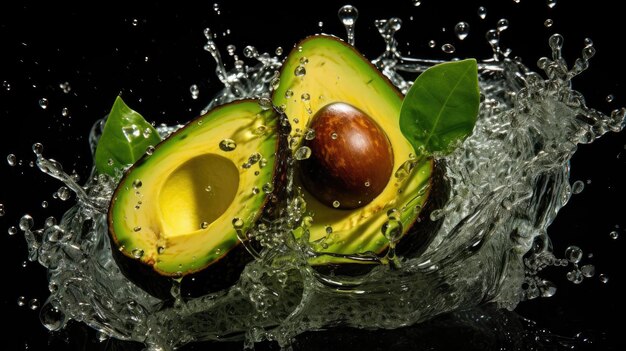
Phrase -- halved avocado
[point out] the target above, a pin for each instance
(177, 212)
(323, 70)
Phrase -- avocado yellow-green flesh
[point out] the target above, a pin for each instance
(335, 72)
(174, 209)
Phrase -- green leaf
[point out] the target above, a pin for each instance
(125, 138)
(441, 107)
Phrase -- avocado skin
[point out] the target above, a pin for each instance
(417, 237)
(225, 272)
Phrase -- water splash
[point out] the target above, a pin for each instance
(508, 181)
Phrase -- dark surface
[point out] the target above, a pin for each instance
(98, 49)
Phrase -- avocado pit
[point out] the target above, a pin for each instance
(351, 157)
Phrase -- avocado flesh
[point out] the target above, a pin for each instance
(179, 220)
(336, 72)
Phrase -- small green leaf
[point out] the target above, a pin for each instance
(125, 138)
(441, 107)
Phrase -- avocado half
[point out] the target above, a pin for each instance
(177, 212)
(326, 70)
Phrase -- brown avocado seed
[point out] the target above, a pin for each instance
(351, 157)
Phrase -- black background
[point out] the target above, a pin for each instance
(101, 50)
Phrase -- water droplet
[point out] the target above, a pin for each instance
(195, 91)
(216, 7)
(160, 250)
(432, 43)
(302, 153)
(2, 210)
(230, 49)
(265, 103)
(37, 148)
(334, 136)
(305, 97)
(588, 52)
(573, 254)
(228, 145)
(288, 93)
(63, 193)
(493, 37)
(137, 229)
(33, 304)
(304, 60)
(250, 51)
(603, 278)
(135, 22)
(502, 25)
(137, 183)
(21, 301)
(268, 188)
(367, 184)
(588, 270)
(275, 83)
(329, 229)
(65, 112)
(44, 204)
(279, 51)
(548, 288)
(12, 230)
(336, 204)
(65, 87)
(204, 225)
(575, 276)
(392, 230)
(548, 23)
(237, 223)
(610, 98)
(551, 3)
(417, 3)
(462, 30)
(448, 48)
(320, 24)
(6, 85)
(578, 187)
(299, 71)
(309, 134)
(348, 15)
(150, 150)
(254, 158)
(50, 221)
(614, 235)
(11, 160)
(556, 42)
(137, 253)
(26, 222)
(51, 317)
(482, 12)
(436, 215)
(255, 190)
(43, 103)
